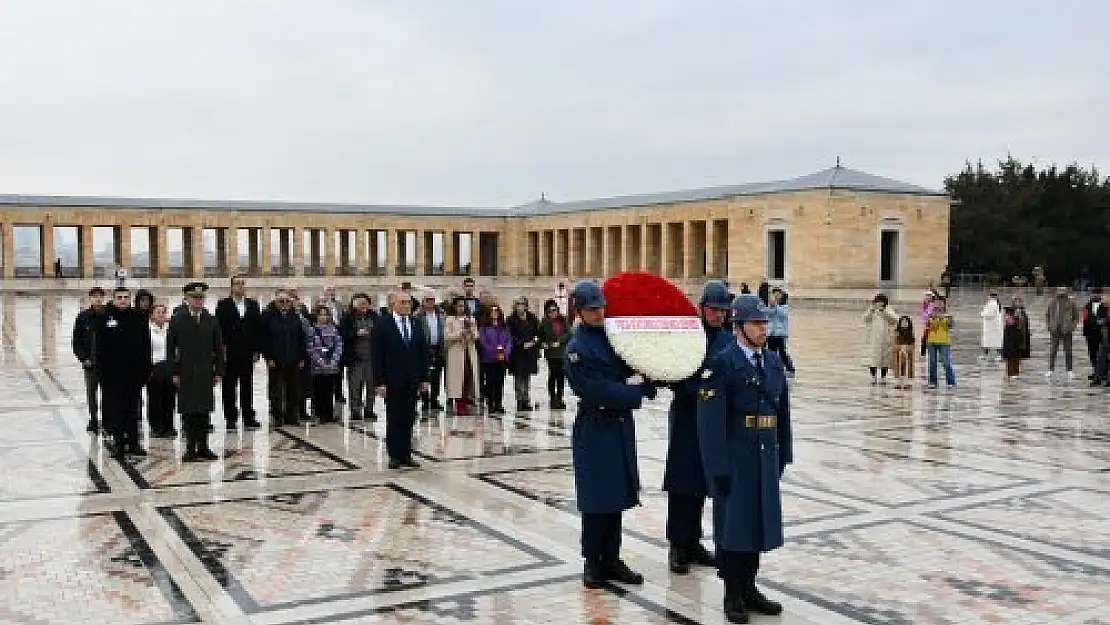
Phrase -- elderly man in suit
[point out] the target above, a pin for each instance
(195, 351)
(432, 322)
(400, 374)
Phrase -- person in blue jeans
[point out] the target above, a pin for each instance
(939, 326)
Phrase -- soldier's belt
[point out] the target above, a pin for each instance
(760, 421)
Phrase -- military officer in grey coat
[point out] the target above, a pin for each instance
(745, 436)
(194, 347)
(684, 476)
(603, 441)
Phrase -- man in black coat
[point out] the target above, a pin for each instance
(240, 320)
(1091, 330)
(286, 354)
(122, 357)
(400, 375)
(195, 351)
(84, 335)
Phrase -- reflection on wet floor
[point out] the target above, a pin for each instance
(981, 504)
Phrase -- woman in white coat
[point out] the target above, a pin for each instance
(460, 333)
(992, 327)
(878, 323)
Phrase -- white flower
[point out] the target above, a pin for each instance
(667, 349)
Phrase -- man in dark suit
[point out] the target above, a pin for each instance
(432, 324)
(240, 320)
(121, 353)
(1091, 330)
(400, 374)
(195, 351)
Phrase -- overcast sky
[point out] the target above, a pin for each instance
(491, 102)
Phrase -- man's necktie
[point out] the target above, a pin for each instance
(758, 358)
(405, 330)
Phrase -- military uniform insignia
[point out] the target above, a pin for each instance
(572, 356)
(706, 394)
(708, 373)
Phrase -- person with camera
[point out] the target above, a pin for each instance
(939, 327)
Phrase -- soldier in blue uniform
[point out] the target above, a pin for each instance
(744, 430)
(684, 477)
(606, 477)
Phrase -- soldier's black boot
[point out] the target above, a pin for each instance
(699, 555)
(735, 610)
(93, 427)
(756, 601)
(189, 426)
(593, 573)
(679, 559)
(616, 570)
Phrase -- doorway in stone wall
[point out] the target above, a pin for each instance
(890, 243)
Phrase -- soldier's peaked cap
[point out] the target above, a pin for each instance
(748, 307)
(195, 289)
(715, 295)
(587, 294)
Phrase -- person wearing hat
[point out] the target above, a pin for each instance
(684, 476)
(745, 436)
(194, 348)
(603, 450)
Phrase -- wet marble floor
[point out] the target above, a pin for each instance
(983, 504)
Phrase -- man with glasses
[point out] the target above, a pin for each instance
(286, 354)
(122, 356)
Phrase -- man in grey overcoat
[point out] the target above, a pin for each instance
(193, 345)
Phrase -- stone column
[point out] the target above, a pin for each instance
(391, 243)
(47, 250)
(265, 254)
(197, 245)
(450, 267)
(84, 251)
(329, 250)
(123, 246)
(298, 252)
(160, 255)
(418, 254)
(9, 253)
(361, 243)
(645, 246)
(231, 250)
(710, 249)
(688, 251)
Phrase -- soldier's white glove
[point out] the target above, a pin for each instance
(635, 380)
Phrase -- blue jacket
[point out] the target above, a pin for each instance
(603, 443)
(780, 320)
(749, 517)
(684, 474)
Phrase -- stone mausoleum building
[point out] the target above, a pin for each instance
(835, 228)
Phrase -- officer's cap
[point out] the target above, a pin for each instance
(715, 295)
(195, 289)
(587, 294)
(748, 307)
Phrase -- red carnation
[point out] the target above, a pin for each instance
(642, 294)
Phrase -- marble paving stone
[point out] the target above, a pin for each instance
(554, 602)
(255, 455)
(902, 573)
(36, 425)
(1072, 518)
(886, 478)
(299, 548)
(48, 470)
(462, 438)
(90, 569)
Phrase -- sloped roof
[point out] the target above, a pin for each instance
(831, 178)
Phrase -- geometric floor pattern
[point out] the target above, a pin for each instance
(984, 504)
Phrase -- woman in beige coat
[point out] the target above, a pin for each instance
(460, 333)
(878, 323)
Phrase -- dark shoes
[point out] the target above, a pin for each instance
(199, 455)
(735, 609)
(679, 559)
(597, 571)
(558, 404)
(251, 424)
(684, 554)
(93, 427)
(757, 602)
(699, 555)
(403, 464)
(136, 450)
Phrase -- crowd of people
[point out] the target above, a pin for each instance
(452, 353)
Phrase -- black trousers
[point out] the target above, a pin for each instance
(238, 375)
(323, 395)
(195, 426)
(1093, 343)
(284, 389)
(493, 375)
(556, 379)
(435, 376)
(737, 565)
(337, 383)
(684, 514)
(161, 395)
(400, 416)
(121, 407)
(601, 536)
(777, 344)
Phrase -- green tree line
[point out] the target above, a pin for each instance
(1010, 219)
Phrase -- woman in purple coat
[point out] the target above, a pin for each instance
(495, 344)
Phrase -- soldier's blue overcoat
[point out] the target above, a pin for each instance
(749, 518)
(685, 472)
(606, 477)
